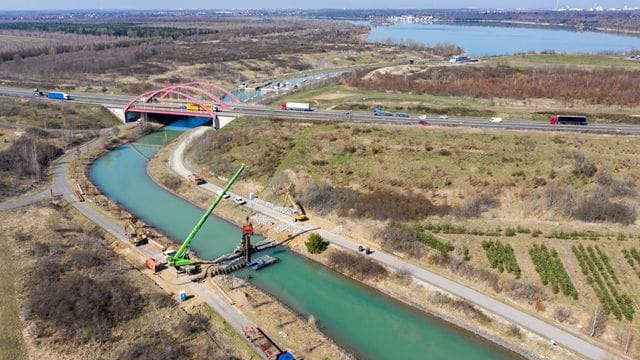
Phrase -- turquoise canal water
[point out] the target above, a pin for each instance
(357, 317)
(480, 40)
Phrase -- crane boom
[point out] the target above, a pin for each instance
(181, 258)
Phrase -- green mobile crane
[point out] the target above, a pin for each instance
(181, 257)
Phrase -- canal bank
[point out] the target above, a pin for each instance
(359, 319)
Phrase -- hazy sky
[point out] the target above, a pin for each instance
(213, 4)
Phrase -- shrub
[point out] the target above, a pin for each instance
(596, 207)
(172, 182)
(476, 206)
(396, 238)
(561, 314)
(514, 331)
(583, 167)
(465, 306)
(355, 265)
(85, 308)
(501, 257)
(431, 241)
(380, 204)
(316, 244)
(551, 270)
(615, 187)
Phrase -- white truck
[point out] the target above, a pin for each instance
(296, 106)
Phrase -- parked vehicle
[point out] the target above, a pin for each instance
(569, 120)
(225, 196)
(296, 106)
(379, 112)
(239, 200)
(196, 179)
(58, 95)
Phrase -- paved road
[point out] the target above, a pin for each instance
(341, 116)
(560, 336)
(61, 187)
(59, 167)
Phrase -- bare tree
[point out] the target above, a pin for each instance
(598, 321)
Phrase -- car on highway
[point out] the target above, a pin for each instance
(495, 120)
(239, 200)
(423, 122)
(399, 114)
(422, 117)
(443, 117)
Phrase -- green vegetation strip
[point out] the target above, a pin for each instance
(633, 258)
(431, 241)
(551, 270)
(501, 257)
(599, 274)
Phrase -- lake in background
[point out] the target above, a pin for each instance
(487, 40)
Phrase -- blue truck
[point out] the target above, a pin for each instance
(58, 95)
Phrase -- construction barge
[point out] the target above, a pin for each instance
(260, 340)
(262, 262)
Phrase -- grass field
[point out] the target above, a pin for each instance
(54, 115)
(582, 60)
(21, 39)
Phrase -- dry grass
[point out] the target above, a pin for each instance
(12, 344)
(50, 235)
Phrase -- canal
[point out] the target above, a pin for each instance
(359, 318)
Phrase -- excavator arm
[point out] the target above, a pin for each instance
(181, 258)
(298, 211)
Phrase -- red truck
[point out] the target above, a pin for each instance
(569, 119)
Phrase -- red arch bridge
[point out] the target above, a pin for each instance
(189, 99)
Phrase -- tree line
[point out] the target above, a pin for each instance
(110, 29)
(608, 86)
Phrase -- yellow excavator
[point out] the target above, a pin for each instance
(136, 236)
(296, 208)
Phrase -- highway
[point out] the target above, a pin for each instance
(119, 101)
